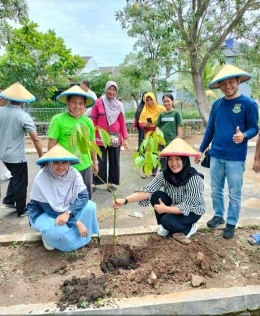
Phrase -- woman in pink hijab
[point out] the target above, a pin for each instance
(108, 113)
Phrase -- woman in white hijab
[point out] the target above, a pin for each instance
(60, 207)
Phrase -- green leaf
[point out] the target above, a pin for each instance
(153, 142)
(104, 137)
(97, 149)
(139, 161)
(135, 155)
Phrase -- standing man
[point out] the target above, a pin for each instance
(62, 126)
(14, 124)
(84, 85)
(232, 122)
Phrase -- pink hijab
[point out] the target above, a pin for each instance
(113, 107)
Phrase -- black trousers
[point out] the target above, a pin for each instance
(112, 156)
(17, 188)
(140, 137)
(174, 223)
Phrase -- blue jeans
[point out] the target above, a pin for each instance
(232, 170)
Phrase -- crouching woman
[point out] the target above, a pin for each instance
(181, 204)
(60, 208)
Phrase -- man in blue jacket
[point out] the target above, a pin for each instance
(232, 122)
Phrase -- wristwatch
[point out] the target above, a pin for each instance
(245, 137)
(68, 212)
(95, 162)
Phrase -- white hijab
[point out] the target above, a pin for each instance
(58, 191)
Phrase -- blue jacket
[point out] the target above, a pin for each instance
(223, 121)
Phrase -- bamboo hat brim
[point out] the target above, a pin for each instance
(227, 72)
(57, 153)
(178, 147)
(17, 93)
(75, 90)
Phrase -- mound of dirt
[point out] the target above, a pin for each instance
(32, 274)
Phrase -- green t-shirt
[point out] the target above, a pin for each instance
(168, 122)
(61, 127)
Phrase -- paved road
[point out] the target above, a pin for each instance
(10, 224)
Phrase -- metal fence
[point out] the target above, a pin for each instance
(44, 115)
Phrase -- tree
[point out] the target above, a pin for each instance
(199, 28)
(15, 10)
(39, 60)
(249, 57)
(129, 92)
(149, 63)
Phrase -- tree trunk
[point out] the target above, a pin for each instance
(201, 97)
(153, 85)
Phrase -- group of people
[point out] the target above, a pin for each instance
(60, 206)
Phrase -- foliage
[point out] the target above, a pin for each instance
(147, 158)
(97, 80)
(191, 115)
(15, 10)
(44, 103)
(39, 60)
(248, 58)
(193, 31)
(80, 142)
(126, 90)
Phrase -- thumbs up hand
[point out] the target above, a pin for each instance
(238, 137)
(160, 208)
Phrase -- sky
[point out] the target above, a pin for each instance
(88, 27)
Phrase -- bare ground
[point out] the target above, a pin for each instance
(137, 266)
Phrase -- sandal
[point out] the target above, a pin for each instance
(181, 238)
(154, 174)
(143, 176)
(256, 240)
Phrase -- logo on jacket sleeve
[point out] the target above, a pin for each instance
(237, 108)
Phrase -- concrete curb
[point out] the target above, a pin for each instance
(33, 237)
(194, 302)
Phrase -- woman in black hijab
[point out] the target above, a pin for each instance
(137, 116)
(181, 203)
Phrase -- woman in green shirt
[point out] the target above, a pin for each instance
(170, 122)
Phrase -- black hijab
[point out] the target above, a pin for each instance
(139, 109)
(182, 177)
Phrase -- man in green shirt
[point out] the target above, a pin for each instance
(62, 126)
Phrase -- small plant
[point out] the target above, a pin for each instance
(72, 254)
(146, 159)
(99, 301)
(84, 304)
(14, 245)
(207, 230)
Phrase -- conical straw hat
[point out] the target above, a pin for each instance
(75, 90)
(17, 93)
(178, 147)
(57, 153)
(227, 72)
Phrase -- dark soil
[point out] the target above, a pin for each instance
(32, 274)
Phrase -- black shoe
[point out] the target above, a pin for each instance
(229, 231)
(93, 189)
(216, 221)
(112, 189)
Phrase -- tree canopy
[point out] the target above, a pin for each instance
(196, 31)
(15, 10)
(41, 61)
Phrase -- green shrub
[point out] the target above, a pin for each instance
(44, 104)
(130, 114)
(191, 115)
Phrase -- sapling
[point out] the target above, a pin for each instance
(146, 159)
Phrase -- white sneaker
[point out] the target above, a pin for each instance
(193, 230)
(162, 231)
(46, 245)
